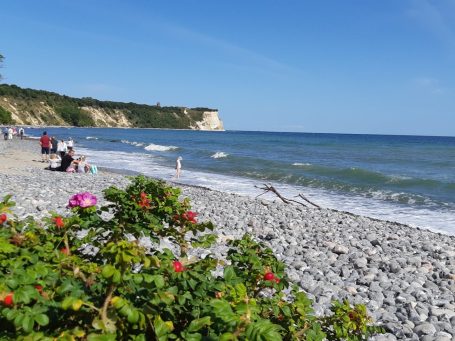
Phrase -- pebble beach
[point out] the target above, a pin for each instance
(404, 275)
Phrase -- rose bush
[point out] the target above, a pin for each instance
(55, 284)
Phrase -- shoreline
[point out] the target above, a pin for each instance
(404, 275)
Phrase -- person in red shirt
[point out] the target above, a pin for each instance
(45, 143)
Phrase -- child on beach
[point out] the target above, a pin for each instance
(54, 162)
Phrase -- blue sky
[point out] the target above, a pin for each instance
(315, 66)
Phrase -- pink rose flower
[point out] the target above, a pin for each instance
(82, 200)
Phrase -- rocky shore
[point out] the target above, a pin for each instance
(405, 276)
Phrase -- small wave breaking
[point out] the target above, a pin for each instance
(91, 138)
(133, 143)
(301, 164)
(219, 155)
(159, 148)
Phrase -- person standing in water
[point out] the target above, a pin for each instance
(178, 167)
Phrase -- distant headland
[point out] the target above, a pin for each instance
(21, 106)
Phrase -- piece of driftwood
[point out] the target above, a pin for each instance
(308, 201)
(269, 188)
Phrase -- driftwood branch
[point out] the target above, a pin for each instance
(269, 188)
(308, 201)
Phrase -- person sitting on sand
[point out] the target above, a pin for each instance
(178, 167)
(67, 161)
(83, 166)
(54, 162)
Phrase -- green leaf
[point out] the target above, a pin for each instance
(229, 273)
(6, 246)
(191, 337)
(162, 329)
(223, 310)
(102, 337)
(67, 302)
(27, 323)
(22, 295)
(263, 330)
(198, 324)
(227, 337)
(108, 271)
(42, 319)
(117, 277)
(133, 316)
(159, 281)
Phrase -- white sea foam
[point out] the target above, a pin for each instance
(158, 167)
(301, 164)
(158, 148)
(219, 155)
(91, 138)
(133, 143)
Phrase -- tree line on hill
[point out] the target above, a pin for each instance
(71, 109)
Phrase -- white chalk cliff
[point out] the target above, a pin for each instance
(210, 121)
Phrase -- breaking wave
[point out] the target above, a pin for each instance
(219, 155)
(159, 148)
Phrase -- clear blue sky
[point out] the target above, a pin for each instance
(316, 66)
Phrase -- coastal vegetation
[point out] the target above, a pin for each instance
(5, 116)
(50, 108)
(86, 276)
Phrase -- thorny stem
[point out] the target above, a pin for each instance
(110, 291)
(67, 246)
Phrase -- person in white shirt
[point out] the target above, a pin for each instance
(178, 167)
(54, 162)
(61, 148)
(70, 143)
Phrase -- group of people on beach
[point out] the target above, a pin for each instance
(60, 156)
(9, 132)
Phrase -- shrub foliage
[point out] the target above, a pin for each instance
(85, 276)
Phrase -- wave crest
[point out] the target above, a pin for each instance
(133, 143)
(301, 164)
(219, 155)
(159, 148)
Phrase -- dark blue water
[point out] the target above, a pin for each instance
(410, 179)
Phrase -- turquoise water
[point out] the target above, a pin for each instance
(409, 179)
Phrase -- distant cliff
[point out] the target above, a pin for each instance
(44, 108)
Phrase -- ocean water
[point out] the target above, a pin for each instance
(407, 179)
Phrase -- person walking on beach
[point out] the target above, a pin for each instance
(178, 167)
(10, 133)
(45, 143)
(21, 132)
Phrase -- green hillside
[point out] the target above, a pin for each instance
(55, 109)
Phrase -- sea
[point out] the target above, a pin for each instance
(405, 179)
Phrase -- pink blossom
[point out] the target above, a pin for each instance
(82, 200)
